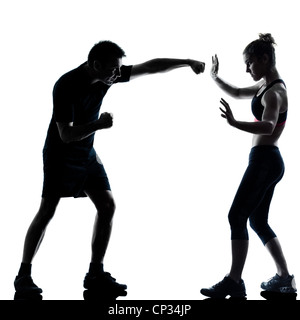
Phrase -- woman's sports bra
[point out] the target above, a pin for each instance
(258, 108)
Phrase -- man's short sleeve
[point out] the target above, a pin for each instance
(125, 74)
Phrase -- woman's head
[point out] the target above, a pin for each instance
(264, 46)
(259, 56)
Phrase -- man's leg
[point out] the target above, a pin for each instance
(37, 229)
(96, 277)
(34, 237)
(105, 205)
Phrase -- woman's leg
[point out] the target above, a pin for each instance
(239, 250)
(259, 223)
(245, 201)
(274, 247)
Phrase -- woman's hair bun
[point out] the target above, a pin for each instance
(266, 37)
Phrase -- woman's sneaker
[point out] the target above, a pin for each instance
(224, 288)
(281, 285)
(25, 284)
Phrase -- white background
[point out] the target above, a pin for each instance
(174, 164)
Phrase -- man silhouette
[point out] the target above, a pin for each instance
(71, 166)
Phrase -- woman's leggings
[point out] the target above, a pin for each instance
(254, 195)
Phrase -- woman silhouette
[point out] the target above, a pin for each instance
(265, 169)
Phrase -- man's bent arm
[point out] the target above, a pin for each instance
(164, 65)
(70, 133)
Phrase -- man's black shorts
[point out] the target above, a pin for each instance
(71, 180)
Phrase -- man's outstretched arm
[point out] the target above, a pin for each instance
(164, 65)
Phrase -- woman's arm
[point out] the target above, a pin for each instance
(230, 89)
(269, 118)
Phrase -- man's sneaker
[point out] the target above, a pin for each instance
(279, 284)
(104, 281)
(224, 288)
(25, 284)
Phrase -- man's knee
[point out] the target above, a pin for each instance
(105, 206)
(107, 209)
(47, 208)
(104, 203)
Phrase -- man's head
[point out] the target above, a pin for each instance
(105, 58)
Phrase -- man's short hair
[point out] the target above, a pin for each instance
(104, 51)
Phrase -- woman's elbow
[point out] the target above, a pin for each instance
(269, 128)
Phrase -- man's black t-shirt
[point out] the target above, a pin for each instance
(75, 100)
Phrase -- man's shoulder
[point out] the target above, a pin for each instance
(72, 78)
